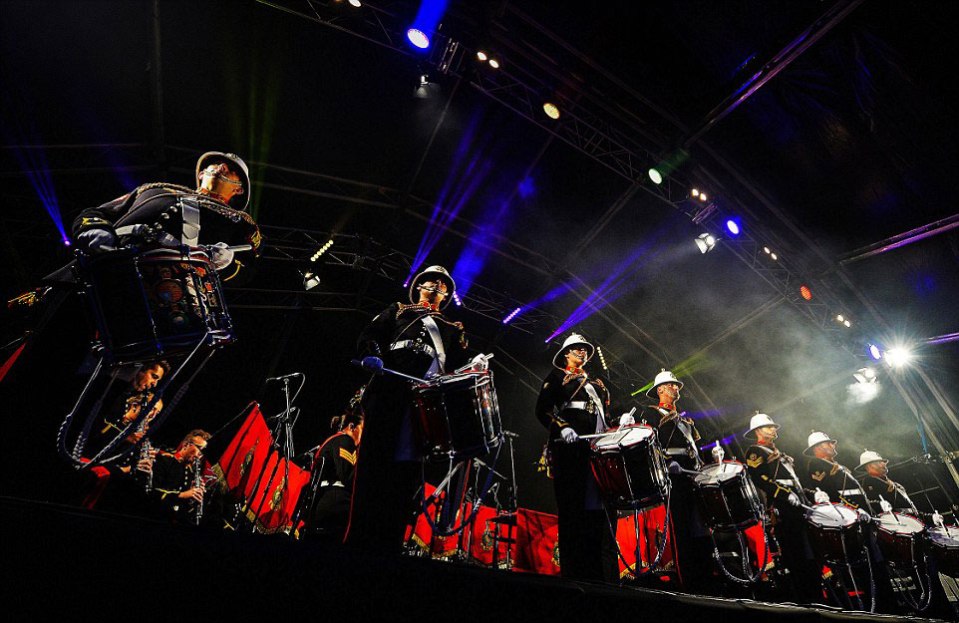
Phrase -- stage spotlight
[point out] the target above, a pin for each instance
(774, 256)
(703, 197)
(733, 227)
(705, 242)
(511, 315)
(602, 358)
(846, 323)
(355, 3)
(694, 192)
(457, 299)
(481, 55)
(494, 63)
(805, 292)
(875, 352)
(418, 38)
(897, 357)
(655, 176)
(551, 110)
(310, 280)
(66, 242)
(766, 250)
(840, 318)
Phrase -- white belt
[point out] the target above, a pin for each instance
(335, 483)
(424, 348)
(851, 492)
(582, 405)
(785, 482)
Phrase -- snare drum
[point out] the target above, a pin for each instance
(458, 416)
(944, 543)
(728, 497)
(835, 532)
(629, 468)
(154, 304)
(898, 536)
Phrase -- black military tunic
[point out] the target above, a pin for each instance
(170, 478)
(834, 480)
(891, 491)
(333, 465)
(148, 204)
(677, 435)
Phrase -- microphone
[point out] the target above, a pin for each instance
(284, 377)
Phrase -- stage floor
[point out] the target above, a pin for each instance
(95, 566)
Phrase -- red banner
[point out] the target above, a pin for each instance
(274, 500)
(242, 462)
(537, 550)
(651, 533)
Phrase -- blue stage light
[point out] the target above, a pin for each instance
(875, 352)
(418, 38)
(733, 226)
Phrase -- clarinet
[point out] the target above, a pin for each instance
(145, 449)
(197, 483)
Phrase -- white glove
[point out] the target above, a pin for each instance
(221, 255)
(863, 516)
(569, 435)
(821, 496)
(627, 419)
(97, 240)
(480, 362)
(793, 499)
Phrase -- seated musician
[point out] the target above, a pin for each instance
(572, 403)
(829, 476)
(177, 489)
(333, 467)
(104, 485)
(171, 215)
(418, 340)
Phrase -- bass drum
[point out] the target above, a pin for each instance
(728, 498)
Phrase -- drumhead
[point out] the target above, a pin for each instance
(831, 516)
(898, 523)
(624, 437)
(718, 473)
(947, 537)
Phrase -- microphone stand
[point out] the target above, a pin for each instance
(284, 427)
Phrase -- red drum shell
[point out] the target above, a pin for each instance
(727, 496)
(629, 468)
(835, 532)
(899, 537)
(458, 416)
(156, 303)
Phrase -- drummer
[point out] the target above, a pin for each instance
(678, 438)
(169, 215)
(877, 483)
(774, 474)
(572, 403)
(829, 476)
(418, 340)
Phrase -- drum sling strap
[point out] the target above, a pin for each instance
(439, 362)
(600, 416)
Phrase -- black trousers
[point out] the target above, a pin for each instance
(586, 546)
